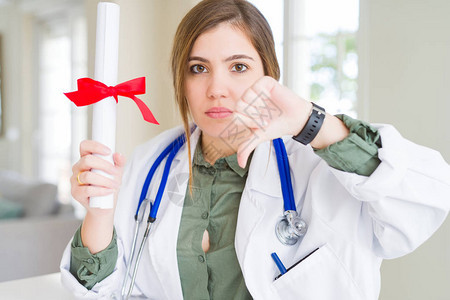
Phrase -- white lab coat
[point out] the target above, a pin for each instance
(355, 221)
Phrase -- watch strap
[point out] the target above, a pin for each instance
(312, 127)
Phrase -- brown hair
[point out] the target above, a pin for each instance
(204, 16)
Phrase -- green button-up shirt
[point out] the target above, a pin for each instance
(214, 206)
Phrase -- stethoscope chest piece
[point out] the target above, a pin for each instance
(290, 228)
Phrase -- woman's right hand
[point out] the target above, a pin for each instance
(97, 228)
(95, 184)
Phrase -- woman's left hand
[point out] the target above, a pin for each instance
(270, 110)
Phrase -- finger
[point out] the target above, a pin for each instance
(253, 103)
(258, 95)
(249, 122)
(89, 162)
(245, 149)
(246, 108)
(260, 107)
(249, 96)
(87, 191)
(96, 179)
(119, 160)
(90, 147)
(264, 85)
(82, 193)
(259, 115)
(253, 110)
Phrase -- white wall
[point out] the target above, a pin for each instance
(10, 142)
(404, 65)
(408, 68)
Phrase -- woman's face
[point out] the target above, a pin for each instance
(222, 64)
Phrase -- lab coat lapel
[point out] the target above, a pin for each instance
(164, 235)
(250, 209)
(260, 209)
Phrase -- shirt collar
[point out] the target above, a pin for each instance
(221, 163)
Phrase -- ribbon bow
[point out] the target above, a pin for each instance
(91, 91)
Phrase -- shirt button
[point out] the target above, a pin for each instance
(205, 215)
(201, 259)
(90, 261)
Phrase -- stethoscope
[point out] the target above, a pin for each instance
(289, 229)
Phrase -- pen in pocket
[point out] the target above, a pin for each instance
(282, 268)
(278, 262)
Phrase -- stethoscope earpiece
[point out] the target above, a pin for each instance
(290, 228)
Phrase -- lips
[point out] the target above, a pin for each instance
(218, 112)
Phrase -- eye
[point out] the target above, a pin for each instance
(197, 69)
(240, 68)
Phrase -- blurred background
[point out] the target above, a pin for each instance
(381, 61)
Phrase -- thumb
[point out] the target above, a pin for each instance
(245, 149)
(119, 159)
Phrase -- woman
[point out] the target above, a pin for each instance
(364, 192)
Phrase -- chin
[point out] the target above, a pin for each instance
(213, 130)
(224, 130)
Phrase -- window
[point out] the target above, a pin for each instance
(331, 30)
(1, 103)
(61, 60)
(273, 11)
(54, 112)
(316, 49)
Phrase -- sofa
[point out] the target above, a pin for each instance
(34, 227)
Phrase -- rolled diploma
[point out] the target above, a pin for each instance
(106, 64)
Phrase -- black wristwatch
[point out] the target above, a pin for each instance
(313, 125)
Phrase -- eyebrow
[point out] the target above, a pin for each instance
(232, 57)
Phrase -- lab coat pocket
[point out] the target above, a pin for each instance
(321, 276)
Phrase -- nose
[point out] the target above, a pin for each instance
(217, 86)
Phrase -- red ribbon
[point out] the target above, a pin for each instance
(91, 91)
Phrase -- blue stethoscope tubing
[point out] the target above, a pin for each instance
(285, 175)
(170, 152)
